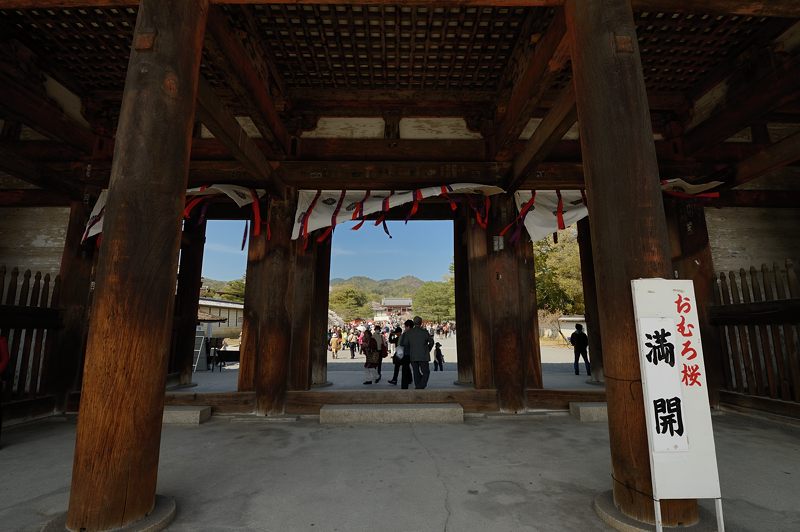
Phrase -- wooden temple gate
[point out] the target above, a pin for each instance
(654, 88)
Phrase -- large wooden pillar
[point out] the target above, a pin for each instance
(693, 261)
(119, 426)
(187, 299)
(505, 305)
(305, 261)
(590, 300)
(319, 320)
(256, 283)
(480, 318)
(76, 274)
(461, 282)
(529, 319)
(629, 233)
(273, 285)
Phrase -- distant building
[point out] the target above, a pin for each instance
(392, 308)
(233, 313)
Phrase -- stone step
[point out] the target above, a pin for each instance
(186, 415)
(391, 413)
(589, 411)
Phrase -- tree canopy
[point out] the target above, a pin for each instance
(350, 302)
(435, 301)
(558, 274)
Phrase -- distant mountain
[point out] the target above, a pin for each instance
(404, 287)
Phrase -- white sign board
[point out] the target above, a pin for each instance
(683, 459)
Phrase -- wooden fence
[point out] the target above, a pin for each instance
(758, 312)
(28, 319)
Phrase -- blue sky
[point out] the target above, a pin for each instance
(421, 248)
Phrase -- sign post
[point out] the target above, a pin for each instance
(683, 461)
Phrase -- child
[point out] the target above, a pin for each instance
(438, 358)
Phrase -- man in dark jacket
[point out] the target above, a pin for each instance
(417, 344)
(580, 343)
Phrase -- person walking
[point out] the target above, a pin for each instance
(402, 362)
(336, 344)
(418, 343)
(438, 358)
(370, 349)
(580, 343)
(380, 345)
(353, 341)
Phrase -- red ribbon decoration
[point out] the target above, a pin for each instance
(382, 218)
(415, 206)
(330, 229)
(256, 213)
(560, 211)
(194, 202)
(358, 212)
(307, 217)
(523, 212)
(453, 204)
(483, 221)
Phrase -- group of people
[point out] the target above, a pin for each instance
(410, 347)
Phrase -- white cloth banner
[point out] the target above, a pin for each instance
(241, 195)
(542, 218)
(323, 212)
(683, 458)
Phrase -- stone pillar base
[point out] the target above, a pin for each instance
(159, 519)
(610, 514)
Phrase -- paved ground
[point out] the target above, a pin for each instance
(489, 474)
(345, 373)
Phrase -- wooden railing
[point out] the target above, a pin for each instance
(758, 312)
(28, 319)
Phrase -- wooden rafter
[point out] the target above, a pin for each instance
(255, 86)
(550, 131)
(776, 156)
(29, 171)
(213, 114)
(745, 105)
(40, 113)
(549, 58)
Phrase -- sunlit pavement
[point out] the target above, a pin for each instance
(345, 373)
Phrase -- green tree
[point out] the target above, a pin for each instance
(233, 290)
(435, 301)
(349, 302)
(558, 274)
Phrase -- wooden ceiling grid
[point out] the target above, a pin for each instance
(379, 46)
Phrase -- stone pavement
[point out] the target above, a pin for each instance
(345, 373)
(497, 473)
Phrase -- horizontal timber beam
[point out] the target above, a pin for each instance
(31, 172)
(771, 8)
(32, 197)
(213, 114)
(549, 132)
(778, 155)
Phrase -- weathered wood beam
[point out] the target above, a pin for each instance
(746, 105)
(772, 8)
(549, 132)
(32, 197)
(309, 149)
(548, 59)
(43, 115)
(376, 102)
(213, 114)
(773, 199)
(29, 171)
(269, 125)
(776, 156)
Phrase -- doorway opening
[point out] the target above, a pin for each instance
(380, 279)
